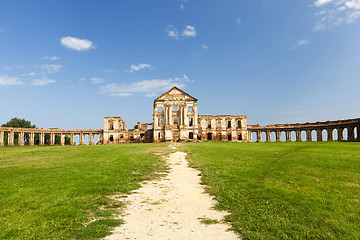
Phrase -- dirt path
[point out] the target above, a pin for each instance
(172, 208)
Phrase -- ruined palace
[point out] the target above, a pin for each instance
(176, 118)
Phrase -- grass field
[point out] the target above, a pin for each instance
(308, 190)
(51, 192)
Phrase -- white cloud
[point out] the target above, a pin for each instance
(172, 32)
(109, 71)
(97, 80)
(42, 82)
(189, 31)
(54, 58)
(82, 79)
(204, 46)
(149, 88)
(9, 81)
(31, 74)
(319, 3)
(238, 21)
(76, 43)
(333, 13)
(139, 67)
(300, 43)
(51, 68)
(181, 7)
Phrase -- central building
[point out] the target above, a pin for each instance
(175, 117)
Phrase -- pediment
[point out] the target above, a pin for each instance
(175, 94)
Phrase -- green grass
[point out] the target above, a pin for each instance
(308, 190)
(63, 192)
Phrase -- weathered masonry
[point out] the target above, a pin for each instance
(176, 118)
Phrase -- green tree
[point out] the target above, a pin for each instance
(20, 123)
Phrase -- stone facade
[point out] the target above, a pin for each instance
(176, 118)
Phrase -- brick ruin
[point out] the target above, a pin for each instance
(176, 118)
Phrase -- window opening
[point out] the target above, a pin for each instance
(229, 124)
(191, 135)
(190, 122)
(159, 109)
(111, 138)
(111, 125)
(190, 109)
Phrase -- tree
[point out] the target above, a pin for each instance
(19, 123)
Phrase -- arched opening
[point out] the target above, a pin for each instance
(86, 139)
(254, 136)
(229, 137)
(77, 139)
(209, 136)
(273, 136)
(239, 137)
(111, 139)
(313, 135)
(283, 136)
(303, 136)
(219, 137)
(346, 134)
(263, 136)
(229, 124)
(131, 138)
(356, 134)
(293, 136)
(324, 135)
(335, 134)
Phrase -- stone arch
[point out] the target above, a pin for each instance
(293, 135)
(335, 134)
(313, 135)
(263, 136)
(346, 134)
(219, 137)
(254, 136)
(324, 135)
(356, 137)
(303, 135)
(273, 136)
(283, 136)
(239, 138)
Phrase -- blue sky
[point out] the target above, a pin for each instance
(68, 64)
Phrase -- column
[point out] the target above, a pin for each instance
(31, 139)
(288, 136)
(171, 122)
(52, 139)
(21, 139)
(258, 134)
(156, 120)
(351, 135)
(268, 136)
(72, 139)
(249, 135)
(11, 139)
(101, 138)
(1, 138)
(42, 139)
(330, 134)
(319, 135)
(278, 136)
(358, 133)
(308, 136)
(298, 135)
(62, 139)
(340, 134)
(82, 139)
(91, 139)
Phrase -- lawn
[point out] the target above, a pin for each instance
(63, 192)
(306, 190)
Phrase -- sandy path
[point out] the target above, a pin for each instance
(170, 208)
